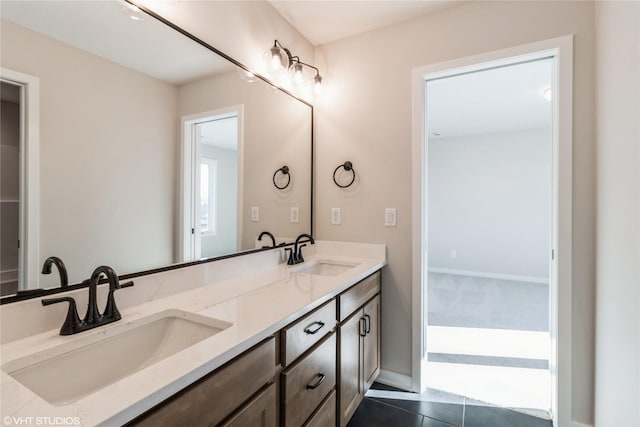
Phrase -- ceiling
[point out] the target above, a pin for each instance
(321, 21)
(502, 99)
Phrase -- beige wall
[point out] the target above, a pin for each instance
(102, 127)
(618, 259)
(365, 117)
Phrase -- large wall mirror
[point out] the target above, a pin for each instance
(153, 149)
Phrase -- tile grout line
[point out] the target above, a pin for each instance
(416, 413)
(464, 409)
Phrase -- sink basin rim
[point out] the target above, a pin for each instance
(316, 263)
(163, 336)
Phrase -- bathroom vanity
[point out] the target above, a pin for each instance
(272, 345)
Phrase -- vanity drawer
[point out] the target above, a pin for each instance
(306, 383)
(325, 416)
(356, 296)
(216, 396)
(304, 333)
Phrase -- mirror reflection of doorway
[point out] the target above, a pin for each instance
(217, 151)
(10, 110)
(212, 150)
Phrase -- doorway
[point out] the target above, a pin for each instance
(212, 150)
(560, 52)
(489, 231)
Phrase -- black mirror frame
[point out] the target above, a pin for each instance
(38, 293)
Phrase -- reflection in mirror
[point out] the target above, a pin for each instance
(153, 149)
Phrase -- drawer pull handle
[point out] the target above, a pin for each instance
(315, 385)
(368, 323)
(362, 324)
(312, 330)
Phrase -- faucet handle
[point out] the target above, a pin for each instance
(72, 321)
(292, 256)
(110, 310)
(299, 256)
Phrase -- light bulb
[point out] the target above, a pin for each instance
(298, 77)
(317, 85)
(276, 60)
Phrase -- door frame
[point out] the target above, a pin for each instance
(29, 216)
(560, 279)
(189, 182)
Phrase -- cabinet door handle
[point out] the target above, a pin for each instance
(315, 385)
(311, 329)
(368, 323)
(363, 327)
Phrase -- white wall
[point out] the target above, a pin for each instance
(617, 390)
(365, 117)
(489, 200)
(226, 238)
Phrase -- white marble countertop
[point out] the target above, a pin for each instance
(257, 304)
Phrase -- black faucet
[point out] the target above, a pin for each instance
(273, 239)
(295, 254)
(62, 269)
(93, 318)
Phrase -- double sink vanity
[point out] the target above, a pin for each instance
(270, 344)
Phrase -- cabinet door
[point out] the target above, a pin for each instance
(351, 386)
(259, 412)
(371, 350)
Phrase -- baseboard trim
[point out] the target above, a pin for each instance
(577, 424)
(515, 278)
(395, 379)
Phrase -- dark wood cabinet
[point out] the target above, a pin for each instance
(359, 345)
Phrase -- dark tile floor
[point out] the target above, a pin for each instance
(434, 409)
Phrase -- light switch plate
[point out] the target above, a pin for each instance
(335, 216)
(390, 217)
(295, 214)
(255, 214)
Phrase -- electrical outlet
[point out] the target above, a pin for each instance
(453, 253)
(295, 214)
(335, 216)
(390, 217)
(255, 214)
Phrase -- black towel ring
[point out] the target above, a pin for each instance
(347, 166)
(285, 171)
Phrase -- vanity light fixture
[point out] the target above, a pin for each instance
(278, 60)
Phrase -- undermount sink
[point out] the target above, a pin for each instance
(324, 268)
(71, 371)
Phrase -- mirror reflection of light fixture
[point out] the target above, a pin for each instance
(132, 11)
(278, 60)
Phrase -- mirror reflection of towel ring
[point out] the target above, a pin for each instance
(347, 166)
(285, 171)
